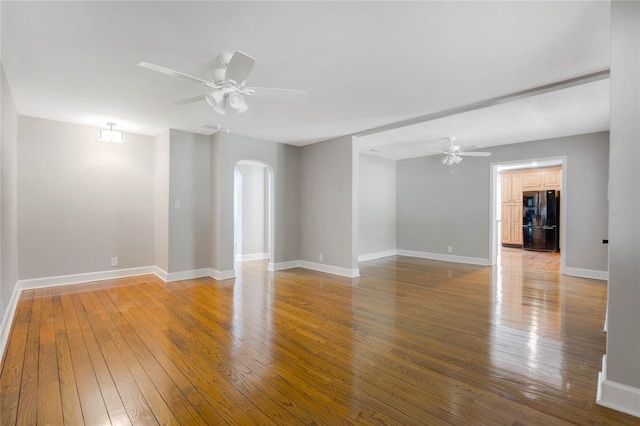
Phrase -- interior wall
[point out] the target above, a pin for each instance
(189, 201)
(226, 151)
(82, 201)
(327, 203)
(377, 199)
(8, 195)
(161, 160)
(623, 336)
(437, 209)
(254, 213)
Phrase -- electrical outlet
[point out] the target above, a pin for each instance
(114, 261)
(320, 258)
(178, 204)
(450, 249)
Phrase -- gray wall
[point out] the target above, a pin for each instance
(437, 209)
(254, 225)
(623, 336)
(327, 202)
(82, 201)
(226, 151)
(377, 210)
(8, 194)
(189, 183)
(287, 204)
(161, 161)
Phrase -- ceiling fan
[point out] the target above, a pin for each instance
(228, 89)
(453, 153)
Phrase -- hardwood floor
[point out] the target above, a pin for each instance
(412, 341)
(517, 258)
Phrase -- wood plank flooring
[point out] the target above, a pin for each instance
(410, 342)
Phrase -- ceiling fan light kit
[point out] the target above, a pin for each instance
(229, 77)
(450, 160)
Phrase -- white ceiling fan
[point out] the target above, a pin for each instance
(453, 153)
(228, 84)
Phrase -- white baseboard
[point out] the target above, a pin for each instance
(222, 275)
(330, 269)
(377, 255)
(187, 275)
(284, 265)
(616, 395)
(169, 277)
(320, 267)
(83, 278)
(252, 256)
(161, 273)
(587, 273)
(444, 257)
(7, 321)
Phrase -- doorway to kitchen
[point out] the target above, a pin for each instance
(527, 214)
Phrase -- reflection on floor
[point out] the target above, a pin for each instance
(410, 342)
(509, 257)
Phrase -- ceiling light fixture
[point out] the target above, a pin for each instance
(450, 159)
(112, 136)
(237, 102)
(223, 99)
(216, 100)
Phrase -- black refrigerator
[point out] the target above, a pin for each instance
(541, 220)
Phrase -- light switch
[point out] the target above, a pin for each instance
(177, 204)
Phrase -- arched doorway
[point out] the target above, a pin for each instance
(253, 211)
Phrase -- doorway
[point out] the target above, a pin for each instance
(507, 238)
(253, 212)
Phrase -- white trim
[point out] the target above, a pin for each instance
(330, 269)
(187, 275)
(83, 278)
(445, 257)
(252, 256)
(222, 275)
(587, 273)
(160, 273)
(193, 274)
(616, 395)
(284, 265)
(320, 267)
(377, 255)
(7, 321)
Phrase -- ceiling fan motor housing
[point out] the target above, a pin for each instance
(221, 63)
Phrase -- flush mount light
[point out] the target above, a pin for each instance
(112, 136)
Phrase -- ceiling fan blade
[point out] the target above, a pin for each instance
(191, 100)
(438, 152)
(174, 73)
(278, 94)
(239, 67)
(474, 154)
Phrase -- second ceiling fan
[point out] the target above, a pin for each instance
(453, 153)
(228, 84)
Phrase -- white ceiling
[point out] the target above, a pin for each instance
(364, 64)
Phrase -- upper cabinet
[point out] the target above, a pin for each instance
(541, 179)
